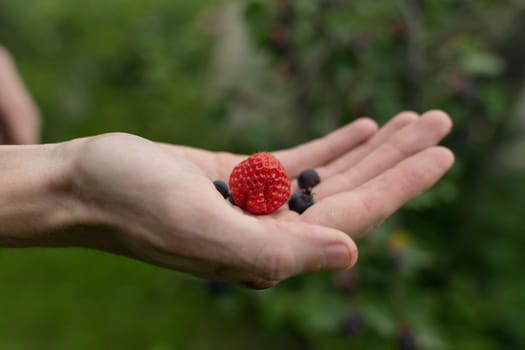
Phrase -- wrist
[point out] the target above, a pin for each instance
(38, 206)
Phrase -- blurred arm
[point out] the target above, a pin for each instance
(19, 117)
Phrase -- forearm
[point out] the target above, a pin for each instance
(36, 206)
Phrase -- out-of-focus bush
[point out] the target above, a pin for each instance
(444, 273)
(102, 66)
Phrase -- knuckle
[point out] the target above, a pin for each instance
(343, 181)
(373, 215)
(397, 149)
(368, 229)
(275, 264)
(407, 116)
(411, 180)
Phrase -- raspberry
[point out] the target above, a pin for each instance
(259, 184)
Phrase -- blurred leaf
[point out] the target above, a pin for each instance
(480, 63)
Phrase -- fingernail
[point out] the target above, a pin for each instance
(337, 256)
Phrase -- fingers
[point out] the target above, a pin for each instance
(19, 118)
(425, 132)
(224, 244)
(304, 248)
(259, 254)
(327, 148)
(360, 211)
(318, 152)
(277, 250)
(351, 158)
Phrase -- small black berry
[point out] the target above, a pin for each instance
(406, 338)
(222, 187)
(308, 178)
(353, 324)
(218, 288)
(230, 198)
(300, 201)
(346, 282)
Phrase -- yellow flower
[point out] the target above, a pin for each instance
(399, 239)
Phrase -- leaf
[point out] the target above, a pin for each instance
(483, 63)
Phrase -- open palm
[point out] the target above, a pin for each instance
(164, 209)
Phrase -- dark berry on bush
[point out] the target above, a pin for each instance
(308, 178)
(346, 281)
(217, 288)
(300, 201)
(352, 324)
(222, 187)
(406, 338)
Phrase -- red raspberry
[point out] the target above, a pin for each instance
(259, 184)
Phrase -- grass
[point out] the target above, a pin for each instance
(79, 299)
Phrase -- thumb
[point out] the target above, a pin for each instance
(283, 249)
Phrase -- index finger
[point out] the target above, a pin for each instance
(327, 148)
(360, 211)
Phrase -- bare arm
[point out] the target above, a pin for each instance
(19, 117)
(34, 204)
(123, 194)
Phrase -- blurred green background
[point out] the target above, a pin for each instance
(446, 272)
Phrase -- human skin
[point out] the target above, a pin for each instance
(156, 203)
(19, 116)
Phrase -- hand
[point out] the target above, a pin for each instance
(123, 194)
(158, 204)
(366, 174)
(19, 117)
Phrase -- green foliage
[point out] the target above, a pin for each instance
(444, 272)
(344, 59)
(137, 67)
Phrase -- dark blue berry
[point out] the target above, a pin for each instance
(308, 178)
(222, 187)
(232, 201)
(300, 201)
(406, 338)
(217, 288)
(352, 324)
(346, 282)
